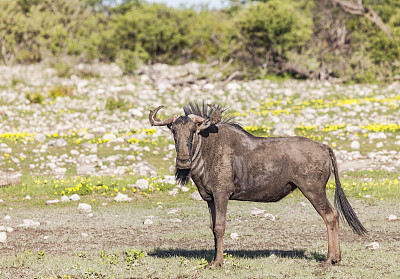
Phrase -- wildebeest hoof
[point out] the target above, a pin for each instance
(214, 264)
(332, 260)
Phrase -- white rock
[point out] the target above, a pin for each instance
(355, 144)
(122, 198)
(28, 197)
(74, 152)
(234, 236)
(90, 215)
(57, 142)
(39, 137)
(196, 196)
(135, 112)
(28, 223)
(379, 135)
(373, 245)
(184, 189)
(392, 218)
(3, 237)
(269, 216)
(75, 197)
(142, 184)
(7, 217)
(109, 137)
(173, 211)
(52, 201)
(65, 199)
(9, 229)
(176, 220)
(397, 142)
(85, 207)
(379, 144)
(148, 222)
(173, 192)
(1, 200)
(170, 179)
(84, 235)
(45, 237)
(85, 169)
(254, 212)
(2, 228)
(99, 130)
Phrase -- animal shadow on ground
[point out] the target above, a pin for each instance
(209, 254)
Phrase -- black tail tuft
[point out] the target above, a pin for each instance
(342, 205)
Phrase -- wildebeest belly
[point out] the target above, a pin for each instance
(270, 176)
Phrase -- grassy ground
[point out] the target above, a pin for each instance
(119, 245)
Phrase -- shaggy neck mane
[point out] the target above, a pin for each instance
(203, 110)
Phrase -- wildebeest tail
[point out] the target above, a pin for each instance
(342, 205)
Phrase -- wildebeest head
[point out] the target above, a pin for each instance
(184, 128)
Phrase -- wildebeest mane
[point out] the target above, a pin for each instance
(203, 110)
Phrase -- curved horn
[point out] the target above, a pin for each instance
(196, 118)
(216, 115)
(154, 121)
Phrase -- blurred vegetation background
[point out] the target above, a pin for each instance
(352, 40)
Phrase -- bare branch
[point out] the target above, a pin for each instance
(369, 13)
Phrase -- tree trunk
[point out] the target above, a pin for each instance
(369, 13)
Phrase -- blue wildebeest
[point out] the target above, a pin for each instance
(227, 163)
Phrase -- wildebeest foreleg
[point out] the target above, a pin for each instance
(218, 207)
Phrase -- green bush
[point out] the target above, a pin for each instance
(261, 36)
(272, 29)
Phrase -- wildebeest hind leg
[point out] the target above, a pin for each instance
(330, 216)
(218, 208)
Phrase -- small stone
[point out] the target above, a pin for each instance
(269, 216)
(28, 223)
(196, 196)
(173, 192)
(7, 217)
(173, 211)
(57, 142)
(9, 229)
(355, 145)
(148, 222)
(176, 220)
(122, 198)
(99, 131)
(65, 199)
(184, 189)
(135, 112)
(52, 201)
(28, 197)
(84, 235)
(1, 200)
(39, 137)
(90, 215)
(234, 236)
(169, 179)
(109, 137)
(75, 197)
(3, 237)
(254, 212)
(373, 246)
(142, 184)
(85, 207)
(379, 144)
(393, 218)
(74, 152)
(45, 237)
